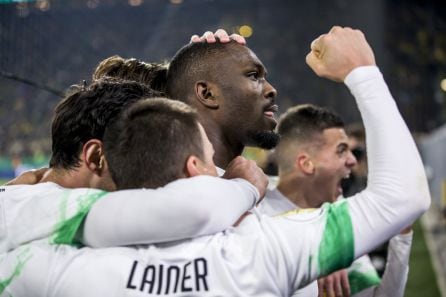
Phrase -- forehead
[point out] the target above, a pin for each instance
(240, 55)
(334, 136)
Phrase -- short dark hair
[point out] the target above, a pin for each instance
(148, 144)
(303, 121)
(84, 114)
(152, 74)
(193, 62)
(302, 124)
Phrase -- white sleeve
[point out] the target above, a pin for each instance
(394, 280)
(185, 208)
(397, 193)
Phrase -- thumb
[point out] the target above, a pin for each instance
(314, 62)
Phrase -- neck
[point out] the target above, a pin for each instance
(225, 150)
(298, 190)
(67, 178)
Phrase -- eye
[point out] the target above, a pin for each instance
(341, 150)
(254, 75)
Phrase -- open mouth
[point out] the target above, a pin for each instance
(339, 190)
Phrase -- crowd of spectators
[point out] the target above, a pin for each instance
(60, 45)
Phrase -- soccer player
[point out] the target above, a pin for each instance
(56, 211)
(313, 158)
(262, 255)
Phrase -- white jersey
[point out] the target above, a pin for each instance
(191, 207)
(263, 256)
(363, 278)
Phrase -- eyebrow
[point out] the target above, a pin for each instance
(259, 66)
(343, 145)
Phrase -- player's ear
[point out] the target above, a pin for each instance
(304, 163)
(206, 93)
(93, 156)
(194, 166)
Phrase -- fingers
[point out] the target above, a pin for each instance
(219, 35)
(316, 44)
(337, 287)
(320, 287)
(222, 35)
(335, 28)
(334, 285)
(195, 38)
(209, 37)
(30, 177)
(329, 287)
(345, 284)
(239, 39)
(312, 59)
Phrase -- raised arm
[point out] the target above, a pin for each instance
(397, 191)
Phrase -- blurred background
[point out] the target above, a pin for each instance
(48, 45)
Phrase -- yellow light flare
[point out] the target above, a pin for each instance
(135, 2)
(246, 31)
(43, 5)
(443, 84)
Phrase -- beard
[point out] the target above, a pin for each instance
(264, 139)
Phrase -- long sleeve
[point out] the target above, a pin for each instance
(397, 191)
(318, 243)
(394, 280)
(183, 209)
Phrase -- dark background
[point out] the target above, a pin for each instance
(59, 43)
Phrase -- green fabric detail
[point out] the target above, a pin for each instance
(66, 228)
(337, 246)
(360, 280)
(22, 258)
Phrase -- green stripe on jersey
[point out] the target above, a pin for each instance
(22, 258)
(337, 246)
(69, 224)
(360, 281)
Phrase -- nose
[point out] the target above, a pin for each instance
(269, 91)
(351, 160)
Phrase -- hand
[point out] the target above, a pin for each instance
(30, 177)
(222, 36)
(247, 169)
(406, 230)
(335, 54)
(334, 285)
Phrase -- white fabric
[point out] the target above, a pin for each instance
(394, 279)
(263, 256)
(190, 207)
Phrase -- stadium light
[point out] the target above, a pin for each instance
(135, 2)
(246, 31)
(443, 84)
(43, 5)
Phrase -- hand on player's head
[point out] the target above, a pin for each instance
(335, 54)
(220, 34)
(247, 169)
(30, 177)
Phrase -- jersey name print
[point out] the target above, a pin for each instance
(169, 279)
